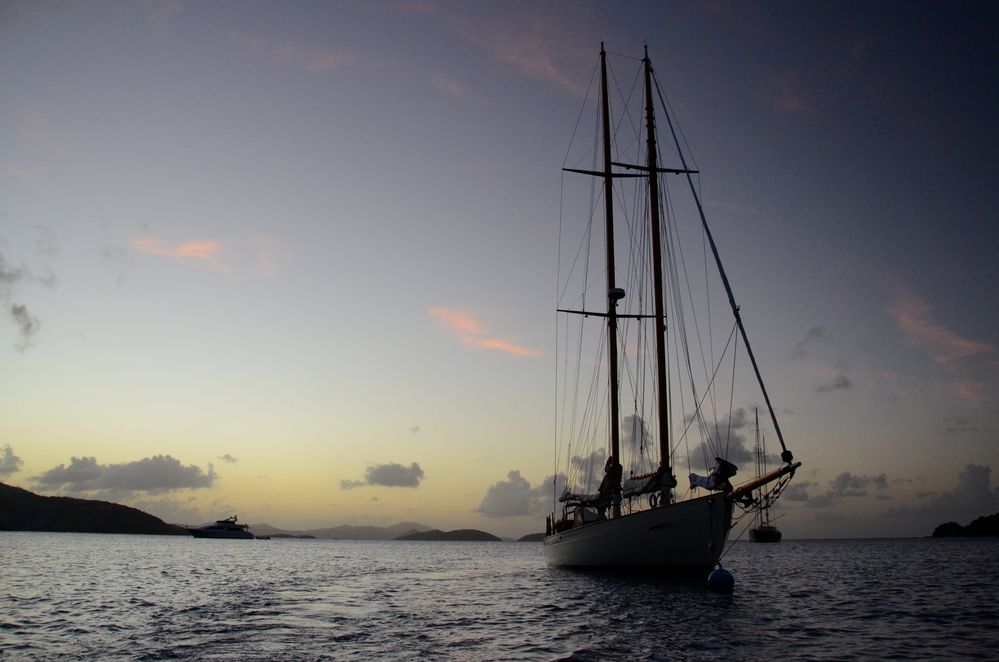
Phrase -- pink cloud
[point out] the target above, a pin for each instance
(467, 330)
(531, 41)
(321, 61)
(314, 59)
(205, 251)
(199, 250)
(267, 256)
(448, 87)
(912, 317)
(788, 97)
(969, 391)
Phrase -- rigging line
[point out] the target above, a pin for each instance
(786, 455)
(778, 488)
(586, 240)
(675, 247)
(676, 307)
(625, 114)
(558, 280)
(731, 400)
(575, 399)
(701, 401)
(579, 117)
(623, 56)
(679, 257)
(707, 292)
(591, 414)
(586, 269)
(668, 107)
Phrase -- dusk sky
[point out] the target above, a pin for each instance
(296, 261)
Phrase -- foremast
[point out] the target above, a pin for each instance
(611, 485)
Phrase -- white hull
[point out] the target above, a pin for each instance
(685, 535)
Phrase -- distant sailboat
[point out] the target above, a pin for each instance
(765, 530)
(642, 346)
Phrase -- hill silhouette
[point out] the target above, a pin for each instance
(21, 510)
(980, 527)
(344, 532)
(458, 534)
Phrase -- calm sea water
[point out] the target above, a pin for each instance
(147, 597)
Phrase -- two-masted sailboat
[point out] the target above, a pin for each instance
(642, 348)
(764, 530)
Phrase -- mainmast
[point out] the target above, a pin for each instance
(613, 473)
(657, 284)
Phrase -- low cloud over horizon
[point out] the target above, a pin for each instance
(9, 463)
(160, 473)
(515, 496)
(387, 475)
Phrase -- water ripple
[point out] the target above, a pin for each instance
(150, 598)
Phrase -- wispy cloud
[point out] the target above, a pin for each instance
(311, 57)
(161, 13)
(840, 383)
(787, 94)
(27, 324)
(814, 335)
(455, 90)
(206, 252)
(970, 391)
(912, 317)
(466, 329)
(959, 425)
(530, 40)
(259, 256)
(268, 250)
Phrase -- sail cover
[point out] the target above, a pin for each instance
(649, 483)
(717, 479)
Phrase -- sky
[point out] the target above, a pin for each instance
(296, 261)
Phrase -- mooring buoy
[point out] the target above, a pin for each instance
(721, 581)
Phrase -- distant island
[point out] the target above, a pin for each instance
(532, 537)
(21, 510)
(985, 526)
(458, 534)
(345, 532)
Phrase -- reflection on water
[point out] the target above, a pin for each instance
(152, 597)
